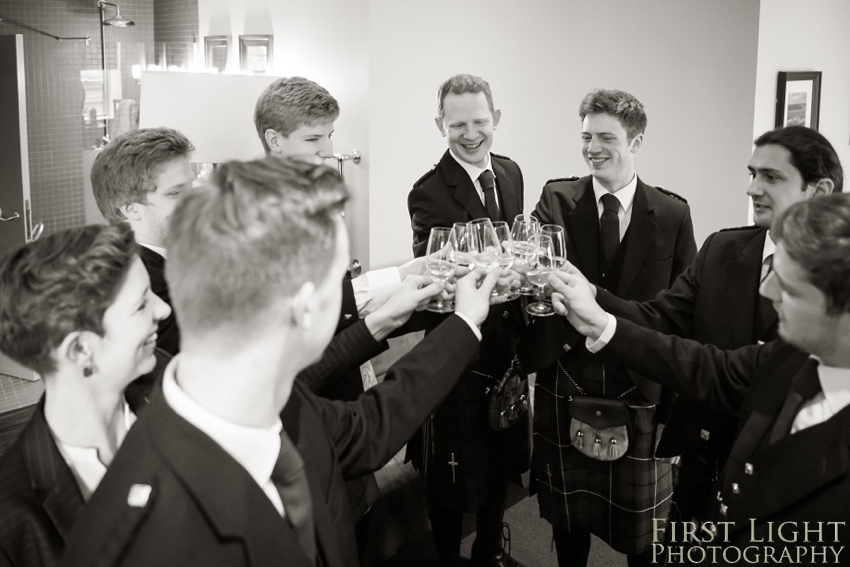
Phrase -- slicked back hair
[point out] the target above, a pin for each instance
(125, 171)
(59, 284)
(290, 103)
(460, 84)
(250, 237)
(811, 153)
(620, 104)
(816, 234)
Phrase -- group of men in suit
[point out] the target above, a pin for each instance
(243, 338)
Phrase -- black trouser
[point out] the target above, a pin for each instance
(447, 528)
(573, 549)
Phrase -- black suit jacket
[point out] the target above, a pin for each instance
(660, 245)
(715, 301)
(168, 334)
(802, 477)
(195, 517)
(443, 196)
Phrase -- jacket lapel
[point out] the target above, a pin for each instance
(583, 232)
(508, 194)
(239, 509)
(50, 474)
(641, 232)
(742, 272)
(464, 191)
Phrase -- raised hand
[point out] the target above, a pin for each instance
(574, 298)
(414, 293)
(473, 300)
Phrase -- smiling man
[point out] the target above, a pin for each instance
(467, 466)
(137, 178)
(789, 462)
(633, 240)
(716, 301)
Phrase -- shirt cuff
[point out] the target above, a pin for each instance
(472, 325)
(372, 289)
(604, 338)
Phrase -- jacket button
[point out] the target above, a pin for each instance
(723, 509)
(704, 435)
(748, 469)
(735, 488)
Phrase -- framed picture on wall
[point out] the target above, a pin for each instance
(256, 53)
(798, 99)
(216, 52)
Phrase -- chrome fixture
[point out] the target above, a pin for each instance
(117, 20)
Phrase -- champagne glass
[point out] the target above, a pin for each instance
(506, 256)
(523, 232)
(439, 265)
(541, 267)
(484, 244)
(462, 250)
(559, 244)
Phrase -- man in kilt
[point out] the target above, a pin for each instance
(466, 465)
(633, 240)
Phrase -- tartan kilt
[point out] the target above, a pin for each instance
(616, 500)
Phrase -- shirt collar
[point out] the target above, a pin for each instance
(254, 448)
(84, 463)
(158, 249)
(835, 383)
(473, 170)
(626, 194)
(769, 247)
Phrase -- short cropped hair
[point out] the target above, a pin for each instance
(290, 103)
(460, 84)
(266, 226)
(59, 284)
(620, 104)
(816, 234)
(811, 153)
(125, 171)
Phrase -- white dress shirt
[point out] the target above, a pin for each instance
(84, 463)
(474, 171)
(373, 288)
(158, 249)
(254, 448)
(626, 196)
(833, 397)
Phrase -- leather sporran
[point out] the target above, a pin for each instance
(507, 399)
(599, 427)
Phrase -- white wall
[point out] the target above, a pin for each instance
(326, 42)
(807, 35)
(692, 64)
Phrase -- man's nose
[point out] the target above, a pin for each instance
(327, 149)
(755, 187)
(593, 145)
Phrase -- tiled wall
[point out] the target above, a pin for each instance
(176, 31)
(56, 129)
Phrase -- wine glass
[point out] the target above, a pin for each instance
(538, 274)
(484, 244)
(506, 256)
(523, 232)
(462, 250)
(439, 264)
(559, 244)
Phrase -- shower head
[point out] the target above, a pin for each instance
(117, 20)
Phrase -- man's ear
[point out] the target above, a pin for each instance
(823, 187)
(131, 211)
(497, 115)
(272, 137)
(439, 124)
(302, 306)
(637, 141)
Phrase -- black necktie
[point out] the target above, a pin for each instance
(804, 387)
(609, 226)
(488, 185)
(290, 479)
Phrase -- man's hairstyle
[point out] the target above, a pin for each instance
(460, 84)
(125, 171)
(290, 103)
(252, 235)
(811, 153)
(620, 104)
(59, 284)
(816, 234)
